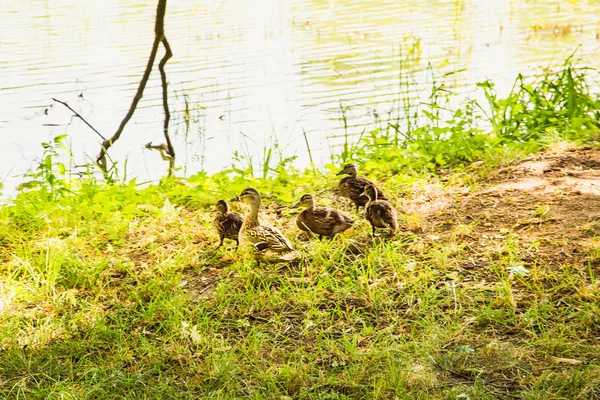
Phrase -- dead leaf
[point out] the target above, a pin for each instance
(570, 361)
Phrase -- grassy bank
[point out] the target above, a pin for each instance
(491, 291)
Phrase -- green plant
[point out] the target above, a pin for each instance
(432, 135)
(559, 99)
(51, 175)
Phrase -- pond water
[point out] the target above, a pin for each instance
(254, 74)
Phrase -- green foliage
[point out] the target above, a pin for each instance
(51, 175)
(559, 99)
(431, 136)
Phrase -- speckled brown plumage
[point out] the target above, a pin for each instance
(380, 213)
(323, 221)
(227, 223)
(352, 186)
(270, 244)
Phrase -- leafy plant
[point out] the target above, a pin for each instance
(431, 135)
(559, 99)
(51, 175)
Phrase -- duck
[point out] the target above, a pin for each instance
(227, 223)
(353, 186)
(323, 221)
(270, 244)
(380, 213)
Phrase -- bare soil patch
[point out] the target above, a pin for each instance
(550, 203)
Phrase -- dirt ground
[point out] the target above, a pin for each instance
(550, 203)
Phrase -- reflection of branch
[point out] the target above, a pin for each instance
(163, 77)
(79, 116)
(159, 30)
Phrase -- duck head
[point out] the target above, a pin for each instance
(249, 196)
(370, 192)
(221, 207)
(349, 169)
(307, 201)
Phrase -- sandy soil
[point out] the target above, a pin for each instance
(550, 203)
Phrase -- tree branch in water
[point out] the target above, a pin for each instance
(159, 30)
(166, 150)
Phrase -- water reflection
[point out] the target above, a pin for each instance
(269, 69)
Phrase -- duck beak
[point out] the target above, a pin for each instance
(362, 194)
(213, 210)
(296, 205)
(236, 198)
(340, 173)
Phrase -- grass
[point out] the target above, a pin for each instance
(116, 291)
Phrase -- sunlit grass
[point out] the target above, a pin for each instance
(108, 316)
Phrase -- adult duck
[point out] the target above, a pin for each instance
(270, 244)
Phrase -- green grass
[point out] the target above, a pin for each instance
(98, 311)
(116, 291)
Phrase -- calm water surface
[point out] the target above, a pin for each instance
(255, 73)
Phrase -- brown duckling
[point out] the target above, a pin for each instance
(353, 186)
(323, 221)
(227, 223)
(380, 213)
(269, 242)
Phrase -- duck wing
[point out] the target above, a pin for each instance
(274, 240)
(320, 220)
(381, 213)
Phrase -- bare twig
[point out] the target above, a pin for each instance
(80, 117)
(159, 35)
(210, 285)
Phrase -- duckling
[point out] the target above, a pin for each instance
(227, 223)
(270, 243)
(352, 186)
(323, 221)
(380, 213)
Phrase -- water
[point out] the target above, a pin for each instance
(254, 73)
